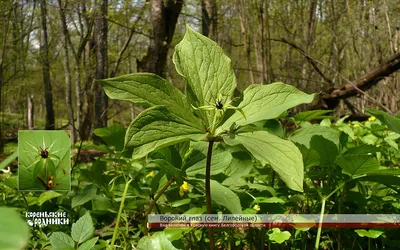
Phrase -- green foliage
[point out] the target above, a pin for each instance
(14, 231)
(82, 236)
(209, 76)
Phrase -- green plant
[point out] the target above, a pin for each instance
(205, 114)
(81, 236)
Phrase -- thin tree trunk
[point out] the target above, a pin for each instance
(246, 40)
(44, 52)
(209, 19)
(30, 117)
(100, 38)
(68, 92)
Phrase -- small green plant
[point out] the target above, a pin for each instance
(202, 115)
(81, 236)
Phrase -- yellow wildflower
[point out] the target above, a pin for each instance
(356, 125)
(184, 187)
(372, 118)
(256, 207)
(150, 174)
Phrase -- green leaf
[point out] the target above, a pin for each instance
(225, 197)
(241, 164)
(156, 241)
(169, 169)
(156, 127)
(205, 66)
(88, 193)
(372, 233)
(282, 155)
(101, 203)
(263, 102)
(278, 236)
(14, 231)
(147, 89)
(196, 160)
(310, 156)
(393, 122)
(88, 245)
(113, 136)
(304, 135)
(8, 160)
(326, 149)
(312, 115)
(268, 200)
(47, 196)
(388, 180)
(176, 233)
(357, 164)
(61, 241)
(83, 229)
(363, 149)
(97, 175)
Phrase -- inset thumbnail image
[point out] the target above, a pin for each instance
(44, 160)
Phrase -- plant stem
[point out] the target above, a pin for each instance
(208, 190)
(121, 206)
(154, 201)
(320, 224)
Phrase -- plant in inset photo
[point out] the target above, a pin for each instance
(44, 160)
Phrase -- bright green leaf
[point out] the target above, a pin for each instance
(205, 66)
(283, 156)
(278, 236)
(148, 89)
(88, 245)
(83, 229)
(156, 127)
(61, 241)
(263, 102)
(225, 197)
(47, 196)
(156, 241)
(304, 135)
(372, 233)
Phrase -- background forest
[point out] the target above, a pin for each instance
(51, 52)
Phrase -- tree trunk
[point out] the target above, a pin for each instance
(246, 39)
(44, 52)
(30, 117)
(68, 92)
(100, 38)
(209, 19)
(163, 20)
